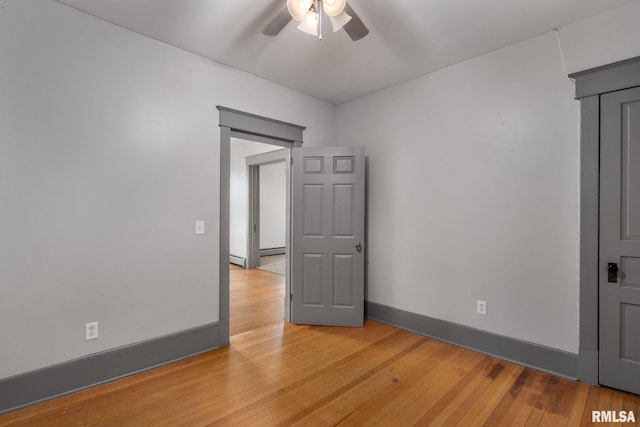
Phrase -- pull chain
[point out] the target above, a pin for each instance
(319, 9)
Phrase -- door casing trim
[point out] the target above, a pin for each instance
(590, 85)
(255, 128)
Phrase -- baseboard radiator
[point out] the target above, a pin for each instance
(236, 260)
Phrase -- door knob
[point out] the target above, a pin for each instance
(358, 247)
(612, 272)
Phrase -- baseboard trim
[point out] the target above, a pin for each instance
(242, 262)
(54, 381)
(272, 251)
(543, 358)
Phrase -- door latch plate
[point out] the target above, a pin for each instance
(612, 272)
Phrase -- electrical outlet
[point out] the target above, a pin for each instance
(481, 307)
(90, 331)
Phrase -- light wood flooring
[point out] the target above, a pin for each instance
(280, 374)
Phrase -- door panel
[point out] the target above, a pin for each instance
(343, 210)
(631, 269)
(620, 240)
(630, 331)
(328, 236)
(630, 170)
(343, 286)
(312, 280)
(313, 204)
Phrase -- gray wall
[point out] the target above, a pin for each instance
(473, 183)
(108, 154)
(473, 193)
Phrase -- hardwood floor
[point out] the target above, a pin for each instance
(256, 299)
(280, 374)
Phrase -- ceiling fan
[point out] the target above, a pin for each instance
(309, 13)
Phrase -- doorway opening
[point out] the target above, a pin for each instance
(257, 234)
(241, 125)
(266, 184)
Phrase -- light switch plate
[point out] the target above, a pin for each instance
(199, 227)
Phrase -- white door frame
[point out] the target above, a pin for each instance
(234, 123)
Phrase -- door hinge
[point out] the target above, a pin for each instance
(291, 160)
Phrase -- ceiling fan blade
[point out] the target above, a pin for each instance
(277, 24)
(355, 27)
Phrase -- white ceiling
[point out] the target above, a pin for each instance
(407, 38)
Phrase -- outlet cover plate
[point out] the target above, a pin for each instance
(481, 307)
(90, 331)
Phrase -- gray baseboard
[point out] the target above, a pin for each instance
(272, 251)
(242, 262)
(547, 359)
(43, 384)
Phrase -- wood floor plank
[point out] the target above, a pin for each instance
(499, 413)
(473, 394)
(418, 399)
(415, 399)
(544, 399)
(275, 373)
(313, 388)
(579, 402)
(335, 411)
(449, 400)
(339, 393)
(523, 404)
(591, 404)
(482, 410)
(376, 407)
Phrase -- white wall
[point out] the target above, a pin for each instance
(273, 204)
(473, 193)
(603, 39)
(109, 151)
(271, 226)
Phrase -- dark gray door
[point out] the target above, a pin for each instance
(327, 245)
(619, 276)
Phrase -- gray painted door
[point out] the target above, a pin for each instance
(327, 245)
(620, 240)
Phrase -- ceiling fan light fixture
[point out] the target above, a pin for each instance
(309, 24)
(334, 7)
(339, 21)
(299, 8)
